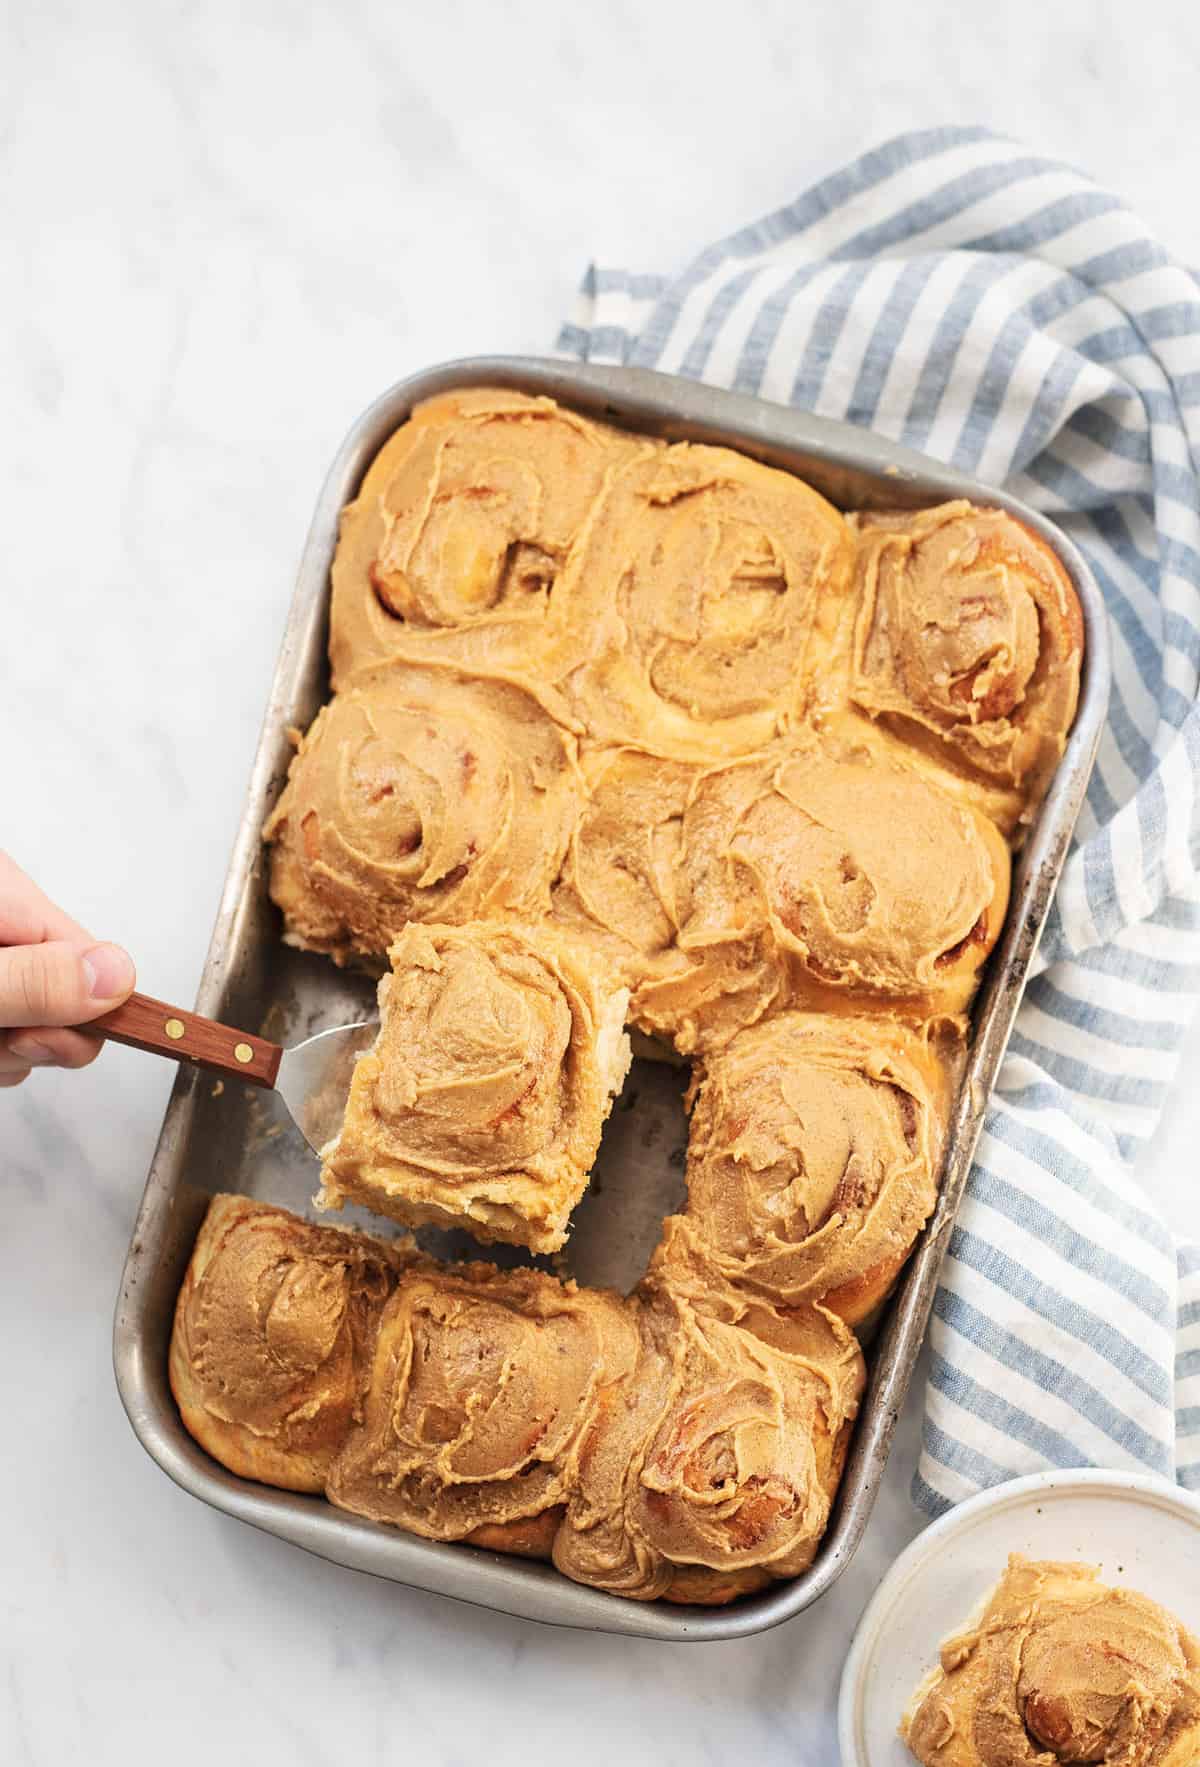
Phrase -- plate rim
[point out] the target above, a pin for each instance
(1063, 1481)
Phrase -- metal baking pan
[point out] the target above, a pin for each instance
(235, 1139)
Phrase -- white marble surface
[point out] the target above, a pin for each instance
(226, 228)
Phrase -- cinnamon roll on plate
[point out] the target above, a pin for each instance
(1052, 1619)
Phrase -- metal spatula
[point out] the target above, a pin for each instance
(312, 1077)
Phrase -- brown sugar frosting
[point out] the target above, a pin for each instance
(721, 893)
(618, 884)
(801, 845)
(1060, 1668)
(968, 638)
(482, 1100)
(712, 1469)
(620, 893)
(813, 1155)
(704, 571)
(423, 794)
(466, 523)
(271, 1337)
(481, 1385)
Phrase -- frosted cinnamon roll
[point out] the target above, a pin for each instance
(273, 1333)
(482, 1385)
(863, 874)
(1060, 1668)
(618, 894)
(967, 641)
(482, 1100)
(813, 1156)
(618, 883)
(706, 572)
(467, 519)
(421, 795)
(711, 1468)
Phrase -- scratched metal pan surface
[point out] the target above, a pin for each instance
(236, 1139)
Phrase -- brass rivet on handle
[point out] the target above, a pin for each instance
(174, 1028)
(243, 1052)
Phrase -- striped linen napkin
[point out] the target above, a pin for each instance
(1001, 312)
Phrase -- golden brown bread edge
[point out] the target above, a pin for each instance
(493, 614)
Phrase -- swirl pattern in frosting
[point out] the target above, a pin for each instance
(273, 1328)
(466, 524)
(712, 1468)
(968, 638)
(482, 1099)
(482, 1384)
(813, 1156)
(680, 1443)
(1060, 1668)
(800, 846)
(619, 894)
(423, 795)
(706, 573)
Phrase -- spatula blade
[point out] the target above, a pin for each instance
(314, 1078)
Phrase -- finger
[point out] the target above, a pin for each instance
(11, 1063)
(59, 984)
(13, 1079)
(51, 1046)
(27, 915)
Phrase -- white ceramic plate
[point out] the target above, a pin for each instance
(1142, 1532)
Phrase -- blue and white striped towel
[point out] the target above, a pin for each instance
(1000, 312)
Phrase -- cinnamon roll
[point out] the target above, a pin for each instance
(1059, 1668)
(482, 1100)
(967, 643)
(710, 1470)
(273, 1332)
(466, 522)
(862, 874)
(684, 1443)
(422, 794)
(705, 573)
(482, 1384)
(619, 893)
(813, 1155)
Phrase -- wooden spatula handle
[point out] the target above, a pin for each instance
(160, 1029)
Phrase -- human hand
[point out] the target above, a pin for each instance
(53, 975)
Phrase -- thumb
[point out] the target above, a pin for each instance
(58, 983)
